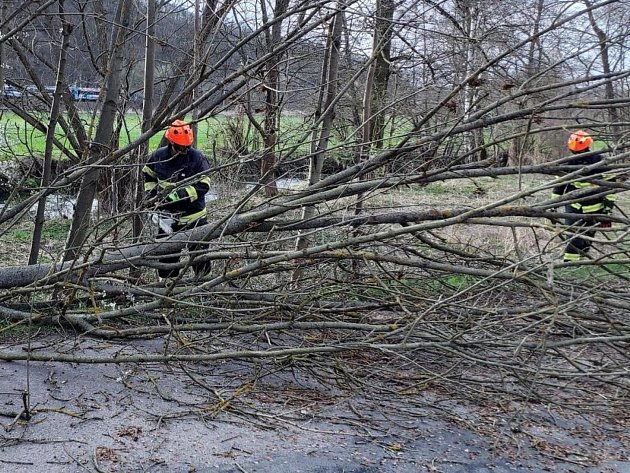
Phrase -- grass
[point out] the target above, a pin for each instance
(55, 230)
(436, 189)
(603, 272)
(21, 235)
(18, 138)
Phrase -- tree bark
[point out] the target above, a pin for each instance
(325, 115)
(271, 84)
(613, 114)
(383, 33)
(104, 132)
(147, 113)
(66, 30)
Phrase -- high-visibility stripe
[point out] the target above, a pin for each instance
(581, 184)
(192, 192)
(186, 219)
(165, 184)
(149, 171)
(554, 196)
(589, 209)
(149, 186)
(571, 256)
(205, 180)
(611, 197)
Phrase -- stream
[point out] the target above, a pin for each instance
(61, 206)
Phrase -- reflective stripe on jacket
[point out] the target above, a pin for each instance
(586, 204)
(163, 174)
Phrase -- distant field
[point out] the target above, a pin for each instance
(18, 138)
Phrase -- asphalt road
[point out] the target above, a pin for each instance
(109, 418)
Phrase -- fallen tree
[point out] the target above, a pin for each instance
(420, 267)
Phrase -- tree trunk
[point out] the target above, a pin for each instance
(382, 70)
(470, 89)
(523, 144)
(271, 85)
(376, 86)
(104, 132)
(613, 115)
(326, 116)
(66, 30)
(147, 110)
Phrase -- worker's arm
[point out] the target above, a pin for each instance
(196, 189)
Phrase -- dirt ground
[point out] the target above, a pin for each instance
(213, 418)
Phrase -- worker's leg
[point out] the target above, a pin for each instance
(167, 273)
(198, 249)
(577, 245)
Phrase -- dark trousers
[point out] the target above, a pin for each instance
(580, 226)
(200, 269)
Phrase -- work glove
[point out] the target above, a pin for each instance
(177, 195)
(605, 224)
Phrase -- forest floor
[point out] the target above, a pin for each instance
(233, 416)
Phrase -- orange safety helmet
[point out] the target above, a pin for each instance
(180, 133)
(579, 141)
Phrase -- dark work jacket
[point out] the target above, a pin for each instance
(586, 204)
(163, 174)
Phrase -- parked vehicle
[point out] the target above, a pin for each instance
(11, 92)
(79, 94)
(85, 94)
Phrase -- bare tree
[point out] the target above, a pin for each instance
(448, 278)
(147, 109)
(378, 74)
(604, 44)
(324, 114)
(104, 132)
(66, 29)
(271, 85)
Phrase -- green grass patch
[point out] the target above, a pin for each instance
(19, 138)
(436, 189)
(460, 281)
(600, 273)
(21, 235)
(55, 230)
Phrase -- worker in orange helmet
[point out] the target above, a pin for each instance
(582, 226)
(176, 182)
